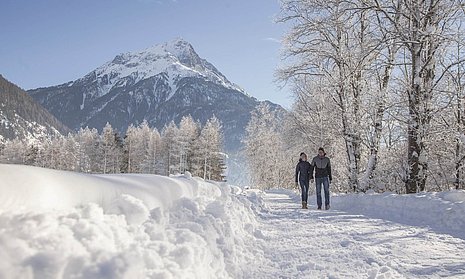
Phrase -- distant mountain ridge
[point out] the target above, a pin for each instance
(22, 117)
(160, 84)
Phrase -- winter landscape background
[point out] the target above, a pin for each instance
(130, 155)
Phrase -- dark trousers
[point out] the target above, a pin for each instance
(322, 181)
(304, 189)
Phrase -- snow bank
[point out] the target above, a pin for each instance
(31, 188)
(443, 212)
(56, 224)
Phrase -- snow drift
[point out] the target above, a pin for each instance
(442, 212)
(56, 224)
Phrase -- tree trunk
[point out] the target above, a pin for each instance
(351, 149)
(415, 177)
(457, 163)
(378, 121)
(460, 121)
(422, 50)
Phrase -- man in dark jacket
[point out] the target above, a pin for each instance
(322, 167)
(302, 177)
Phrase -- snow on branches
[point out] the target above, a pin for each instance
(177, 149)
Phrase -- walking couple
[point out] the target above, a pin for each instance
(304, 174)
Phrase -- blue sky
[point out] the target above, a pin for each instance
(48, 42)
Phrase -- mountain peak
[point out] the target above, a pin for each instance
(176, 59)
(178, 44)
(184, 51)
(177, 47)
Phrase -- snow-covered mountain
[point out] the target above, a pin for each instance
(22, 117)
(160, 84)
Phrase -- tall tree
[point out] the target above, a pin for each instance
(170, 157)
(209, 151)
(185, 139)
(89, 152)
(266, 151)
(111, 152)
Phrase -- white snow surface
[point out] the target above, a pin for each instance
(56, 224)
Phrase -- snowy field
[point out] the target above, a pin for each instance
(56, 224)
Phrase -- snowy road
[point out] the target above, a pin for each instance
(334, 244)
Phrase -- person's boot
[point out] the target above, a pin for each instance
(327, 207)
(304, 205)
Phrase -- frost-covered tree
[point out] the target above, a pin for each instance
(208, 159)
(185, 143)
(135, 148)
(170, 158)
(269, 163)
(32, 153)
(425, 30)
(448, 124)
(313, 122)
(51, 154)
(89, 153)
(336, 43)
(153, 153)
(143, 150)
(13, 152)
(382, 61)
(111, 152)
(68, 153)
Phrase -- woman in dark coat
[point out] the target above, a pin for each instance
(302, 177)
